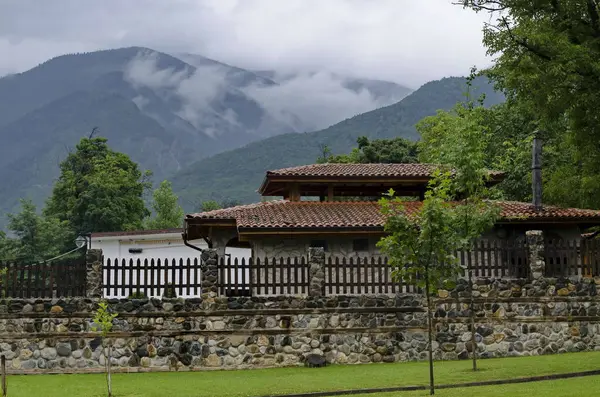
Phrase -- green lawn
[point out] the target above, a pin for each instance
(582, 387)
(296, 380)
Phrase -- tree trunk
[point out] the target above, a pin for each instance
(472, 315)
(108, 366)
(430, 329)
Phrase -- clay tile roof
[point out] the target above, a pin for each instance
(311, 214)
(314, 214)
(418, 170)
(518, 210)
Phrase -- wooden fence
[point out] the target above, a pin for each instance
(372, 275)
(63, 278)
(356, 275)
(496, 259)
(572, 258)
(263, 276)
(155, 278)
(152, 278)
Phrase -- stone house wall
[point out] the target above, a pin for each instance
(297, 246)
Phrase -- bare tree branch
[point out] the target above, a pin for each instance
(523, 43)
(483, 5)
(94, 130)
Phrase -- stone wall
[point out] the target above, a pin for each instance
(341, 246)
(513, 318)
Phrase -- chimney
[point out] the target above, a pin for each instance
(536, 168)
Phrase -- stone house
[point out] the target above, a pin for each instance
(335, 206)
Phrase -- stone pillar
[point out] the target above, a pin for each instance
(535, 248)
(94, 269)
(210, 274)
(316, 262)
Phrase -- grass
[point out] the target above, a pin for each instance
(296, 380)
(582, 387)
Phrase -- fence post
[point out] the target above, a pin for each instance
(316, 263)
(3, 370)
(210, 274)
(535, 250)
(94, 273)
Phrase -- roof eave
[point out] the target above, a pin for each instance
(263, 185)
(548, 220)
(311, 229)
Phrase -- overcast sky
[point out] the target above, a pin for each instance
(407, 41)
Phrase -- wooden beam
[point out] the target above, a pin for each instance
(330, 192)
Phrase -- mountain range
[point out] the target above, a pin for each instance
(166, 111)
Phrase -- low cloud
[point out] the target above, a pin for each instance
(301, 100)
(319, 99)
(197, 90)
(143, 71)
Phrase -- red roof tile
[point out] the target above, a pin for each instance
(314, 214)
(418, 170)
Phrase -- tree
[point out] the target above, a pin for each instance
(169, 213)
(103, 320)
(7, 247)
(325, 154)
(396, 150)
(37, 238)
(504, 137)
(548, 60)
(228, 203)
(99, 190)
(210, 205)
(420, 245)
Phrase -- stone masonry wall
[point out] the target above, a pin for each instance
(513, 318)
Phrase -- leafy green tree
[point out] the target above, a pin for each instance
(461, 142)
(210, 205)
(395, 150)
(547, 58)
(7, 247)
(99, 190)
(228, 203)
(420, 246)
(169, 213)
(504, 142)
(103, 320)
(37, 237)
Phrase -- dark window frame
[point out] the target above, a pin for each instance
(319, 244)
(360, 244)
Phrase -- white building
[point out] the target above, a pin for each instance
(145, 244)
(164, 244)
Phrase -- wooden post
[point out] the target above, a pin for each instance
(329, 192)
(3, 369)
(536, 167)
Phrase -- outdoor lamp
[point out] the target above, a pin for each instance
(80, 241)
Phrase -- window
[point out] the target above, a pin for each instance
(318, 243)
(360, 244)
